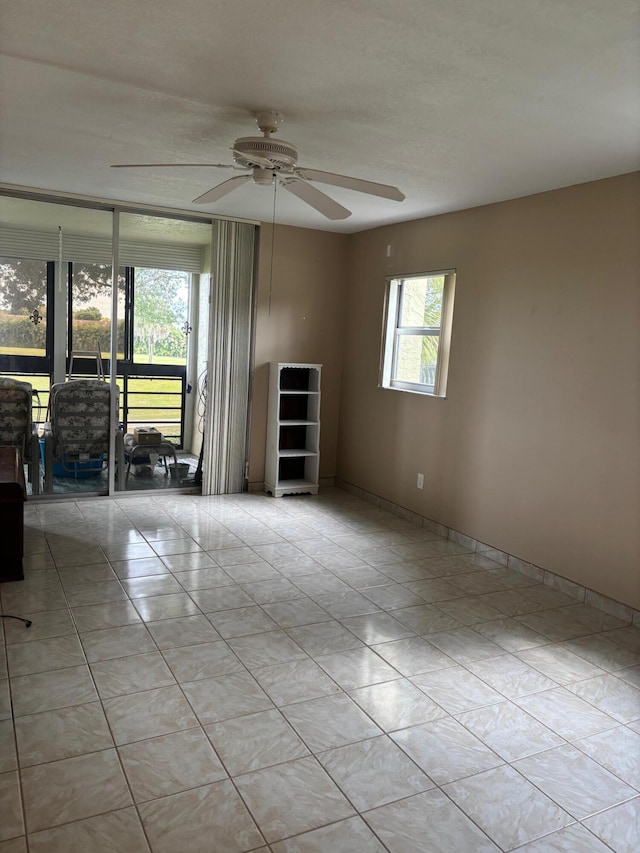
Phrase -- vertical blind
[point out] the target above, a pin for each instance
(230, 330)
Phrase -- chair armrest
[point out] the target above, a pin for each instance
(34, 463)
(49, 443)
(120, 467)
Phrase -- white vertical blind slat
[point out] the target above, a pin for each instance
(227, 406)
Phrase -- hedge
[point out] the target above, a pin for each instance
(19, 332)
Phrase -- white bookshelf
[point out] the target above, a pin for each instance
(292, 462)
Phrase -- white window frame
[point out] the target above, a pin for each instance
(393, 331)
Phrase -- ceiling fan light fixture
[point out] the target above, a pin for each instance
(263, 177)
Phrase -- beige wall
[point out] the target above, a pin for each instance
(299, 318)
(536, 449)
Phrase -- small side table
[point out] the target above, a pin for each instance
(139, 453)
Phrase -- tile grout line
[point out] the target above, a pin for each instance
(549, 578)
(367, 645)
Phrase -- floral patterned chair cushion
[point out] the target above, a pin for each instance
(16, 426)
(79, 415)
(79, 412)
(15, 413)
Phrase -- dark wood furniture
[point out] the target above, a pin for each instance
(13, 494)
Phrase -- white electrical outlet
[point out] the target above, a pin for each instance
(420, 482)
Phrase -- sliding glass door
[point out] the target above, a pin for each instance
(167, 261)
(149, 338)
(58, 315)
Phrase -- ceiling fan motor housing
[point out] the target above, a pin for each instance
(283, 155)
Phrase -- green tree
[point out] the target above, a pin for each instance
(160, 306)
(91, 280)
(432, 317)
(23, 285)
(88, 314)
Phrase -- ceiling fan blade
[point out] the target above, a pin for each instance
(321, 202)
(221, 190)
(164, 165)
(357, 184)
(255, 159)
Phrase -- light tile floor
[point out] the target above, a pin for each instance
(303, 674)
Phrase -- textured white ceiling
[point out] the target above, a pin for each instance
(457, 102)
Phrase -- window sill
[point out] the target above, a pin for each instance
(413, 391)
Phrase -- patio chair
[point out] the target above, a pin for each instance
(17, 428)
(79, 418)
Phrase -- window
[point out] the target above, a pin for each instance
(89, 304)
(25, 286)
(160, 315)
(417, 332)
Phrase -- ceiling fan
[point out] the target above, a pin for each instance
(268, 160)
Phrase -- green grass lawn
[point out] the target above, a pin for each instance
(22, 351)
(151, 392)
(138, 358)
